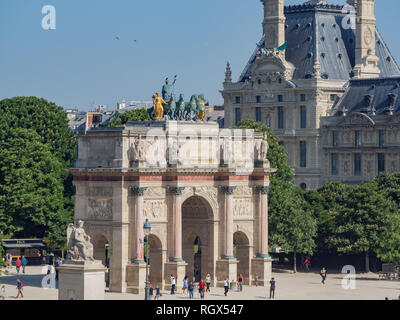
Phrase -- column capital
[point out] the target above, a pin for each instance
(139, 191)
(176, 190)
(262, 189)
(228, 190)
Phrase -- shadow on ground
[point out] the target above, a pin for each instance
(28, 280)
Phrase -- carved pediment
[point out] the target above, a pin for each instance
(273, 66)
(357, 118)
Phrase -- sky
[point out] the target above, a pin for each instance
(81, 63)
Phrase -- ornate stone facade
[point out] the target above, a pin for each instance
(198, 193)
(292, 89)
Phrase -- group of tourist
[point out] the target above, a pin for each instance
(21, 262)
(204, 286)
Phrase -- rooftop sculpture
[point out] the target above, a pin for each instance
(166, 108)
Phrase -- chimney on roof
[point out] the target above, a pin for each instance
(366, 64)
(274, 23)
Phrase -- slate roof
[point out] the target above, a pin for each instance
(316, 30)
(371, 96)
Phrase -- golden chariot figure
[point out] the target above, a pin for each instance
(158, 102)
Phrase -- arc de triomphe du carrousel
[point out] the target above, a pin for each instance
(203, 189)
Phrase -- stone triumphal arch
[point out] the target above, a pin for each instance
(203, 189)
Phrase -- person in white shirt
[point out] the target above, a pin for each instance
(226, 286)
(172, 284)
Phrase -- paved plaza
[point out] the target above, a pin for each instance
(300, 286)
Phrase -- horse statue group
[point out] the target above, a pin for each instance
(167, 108)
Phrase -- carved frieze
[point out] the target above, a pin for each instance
(154, 209)
(100, 209)
(243, 208)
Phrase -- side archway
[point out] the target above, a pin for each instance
(155, 255)
(241, 247)
(101, 249)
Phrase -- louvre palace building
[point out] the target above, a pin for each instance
(324, 80)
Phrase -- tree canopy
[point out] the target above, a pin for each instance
(36, 147)
(291, 225)
(132, 115)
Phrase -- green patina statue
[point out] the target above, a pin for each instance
(166, 89)
(181, 106)
(191, 109)
(171, 108)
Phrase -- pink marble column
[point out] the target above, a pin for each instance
(229, 222)
(177, 192)
(138, 191)
(263, 213)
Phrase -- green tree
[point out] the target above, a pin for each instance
(47, 119)
(389, 185)
(363, 220)
(327, 206)
(47, 124)
(291, 225)
(31, 187)
(132, 115)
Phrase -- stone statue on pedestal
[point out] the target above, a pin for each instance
(79, 246)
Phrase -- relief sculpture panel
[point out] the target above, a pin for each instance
(154, 209)
(243, 208)
(100, 209)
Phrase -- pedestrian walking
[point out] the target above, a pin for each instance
(256, 280)
(3, 292)
(208, 282)
(240, 282)
(272, 288)
(151, 290)
(58, 263)
(185, 284)
(226, 286)
(24, 262)
(9, 259)
(323, 275)
(190, 288)
(18, 264)
(172, 284)
(202, 287)
(307, 264)
(158, 293)
(20, 285)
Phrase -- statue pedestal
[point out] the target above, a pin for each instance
(226, 268)
(81, 280)
(261, 267)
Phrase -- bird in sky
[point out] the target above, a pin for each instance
(117, 38)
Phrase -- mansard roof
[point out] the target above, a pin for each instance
(316, 30)
(378, 96)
